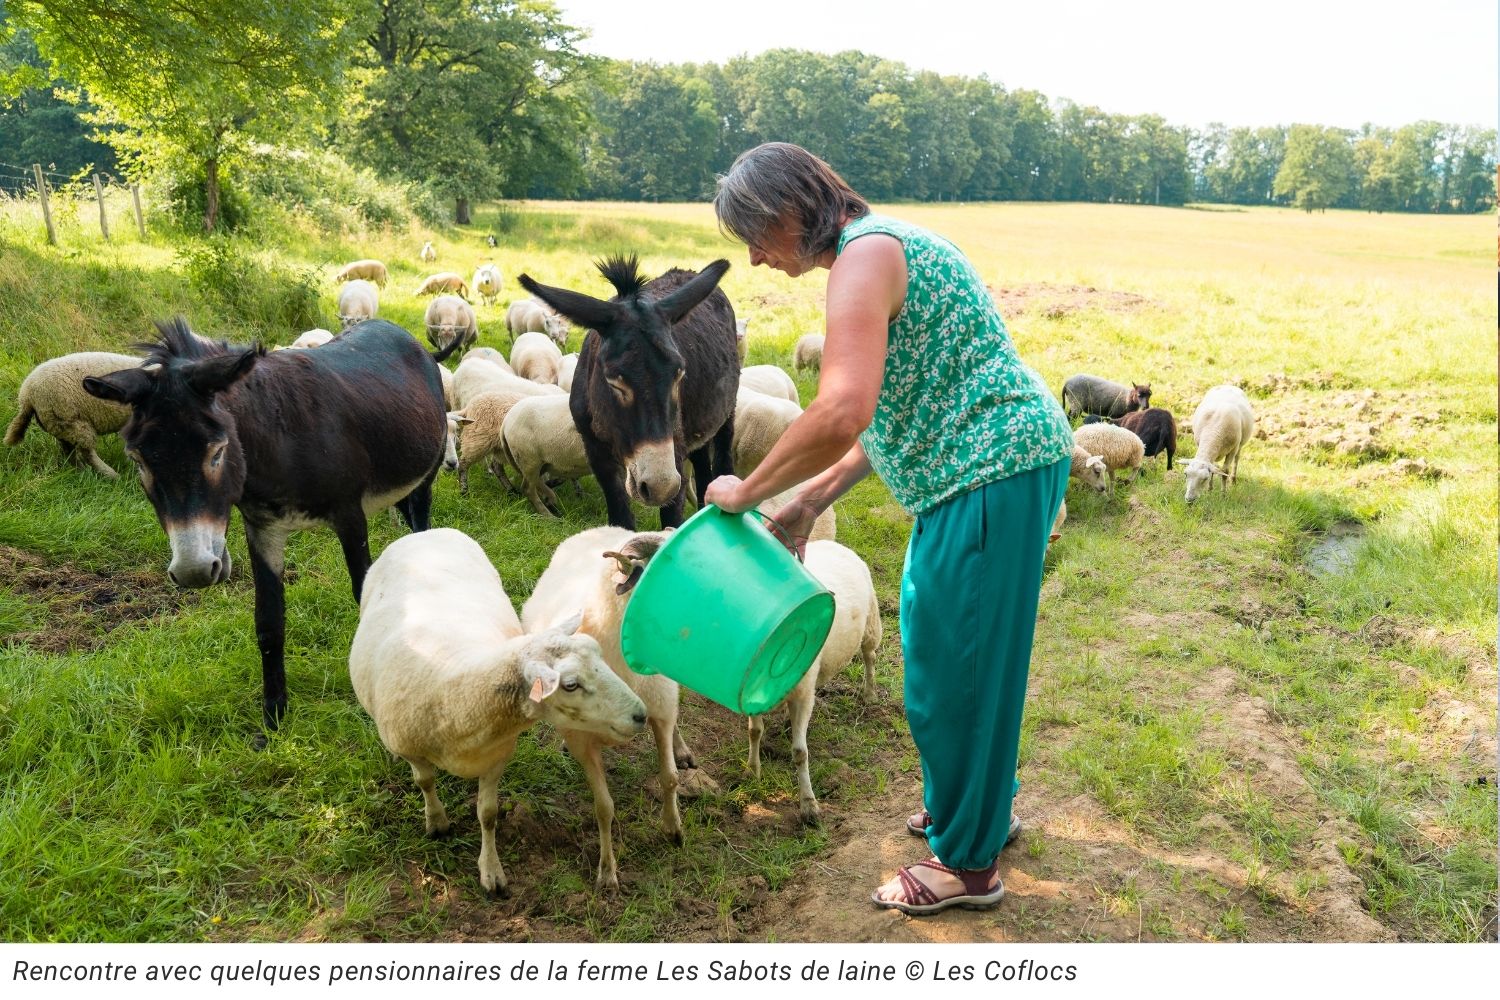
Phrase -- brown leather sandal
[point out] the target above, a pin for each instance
(981, 890)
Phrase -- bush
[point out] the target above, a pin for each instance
(337, 196)
(268, 300)
(186, 201)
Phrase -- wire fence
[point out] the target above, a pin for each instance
(87, 206)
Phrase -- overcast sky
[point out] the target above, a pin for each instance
(1264, 62)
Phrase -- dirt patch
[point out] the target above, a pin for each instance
(1359, 424)
(1058, 301)
(83, 606)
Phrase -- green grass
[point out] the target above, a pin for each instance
(1196, 692)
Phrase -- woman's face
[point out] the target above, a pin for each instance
(778, 249)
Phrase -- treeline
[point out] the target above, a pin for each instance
(476, 99)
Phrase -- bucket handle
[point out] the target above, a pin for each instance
(780, 533)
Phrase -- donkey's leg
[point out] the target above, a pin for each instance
(702, 471)
(723, 450)
(354, 538)
(419, 503)
(267, 560)
(612, 481)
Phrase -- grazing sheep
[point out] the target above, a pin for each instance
(53, 393)
(443, 281)
(447, 378)
(595, 572)
(489, 354)
(540, 441)
(358, 301)
(487, 282)
(1089, 470)
(772, 380)
(429, 253)
(312, 338)
(491, 242)
(369, 270)
(480, 439)
(531, 316)
(476, 375)
(741, 341)
(1119, 448)
(440, 663)
(856, 629)
(1221, 424)
(1094, 418)
(759, 422)
(449, 317)
(809, 352)
(825, 527)
(1092, 394)
(565, 369)
(450, 446)
(534, 356)
(1156, 428)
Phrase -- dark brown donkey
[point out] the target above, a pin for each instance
(655, 382)
(292, 439)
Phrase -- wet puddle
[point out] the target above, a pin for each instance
(1336, 550)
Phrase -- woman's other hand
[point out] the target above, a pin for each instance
(724, 493)
(796, 522)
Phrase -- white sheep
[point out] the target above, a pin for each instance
(809, 352)
(565, 369)
(535, 356)
(541, 442)
(1089, 469)
(447, 378)
(772, 380)
(741, 338)
(53, 394)
(443, 281)
(487, 282)
(857, 629)
(1120, 449)
(358, 300)
(368, 269)
(449, 317)
(1222, 424)
(316, 337)
(489, 354)
(531, 316)
(481, 438)
(759, 422)
(456, 421)
(440, 663)
(429, 253)
(594, 571)
(476, 375)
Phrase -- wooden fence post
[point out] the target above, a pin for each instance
(103, 220)
(135, 196)
(41, 192)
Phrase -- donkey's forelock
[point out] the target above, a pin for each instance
(177, 342)
(624, 272)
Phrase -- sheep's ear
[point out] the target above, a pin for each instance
(543, 682)
(218, 373)
(679, 303)
(128, 386)
(572, 625)
(585, 310)
(457, 416)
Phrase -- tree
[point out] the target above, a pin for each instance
(1318, 167)
(660, 134)
(194, 81)
(454, 93)
(36, 126)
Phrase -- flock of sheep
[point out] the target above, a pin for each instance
(448, 671)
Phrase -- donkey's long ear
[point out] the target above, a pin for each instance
(128, 386)
(218, 373)
(679, 303)
(585, 310)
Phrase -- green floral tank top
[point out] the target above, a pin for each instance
(957, 407)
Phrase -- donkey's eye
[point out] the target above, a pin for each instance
(217, 456)
(571, 684)
(621, 388)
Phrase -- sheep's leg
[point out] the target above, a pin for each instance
(671, 815)
(801, 702)
(83, 437)
(491, 874)
(587, 751)
(867, 647)
(757, 732)
(680, 751)
(267, 560)
(463, 479)
(434, 816)
(548, 497)
(534, 495)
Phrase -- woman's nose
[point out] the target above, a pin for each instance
(756, 257)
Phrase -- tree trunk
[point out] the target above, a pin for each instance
(211, 195)
(461, 212)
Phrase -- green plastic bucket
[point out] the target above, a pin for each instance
(724, 609)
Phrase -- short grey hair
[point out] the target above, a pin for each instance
(777, 182)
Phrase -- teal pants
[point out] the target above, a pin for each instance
(968, 613)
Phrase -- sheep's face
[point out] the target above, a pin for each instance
(573, 688)
(555, 327)
(185, 446)
(450, 445)
(1139, 398)
(1200, 473)
(1096, 474)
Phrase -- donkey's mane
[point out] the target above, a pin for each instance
(177, 342)
(624, 272)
